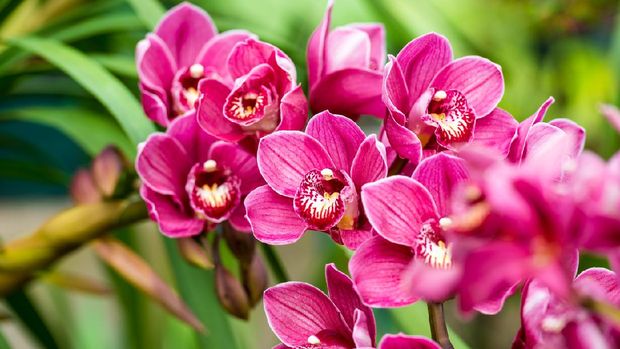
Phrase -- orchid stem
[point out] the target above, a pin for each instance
(275, 264)
(437, 322)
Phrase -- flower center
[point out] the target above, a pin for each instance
(185, 88)
(214, 192)
(431, 246)
(318, 199)
(450, 113)
(247, 108)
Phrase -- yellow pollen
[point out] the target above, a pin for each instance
(214, 195)
(439, 117)
(445, 223)
(209, 165)
(440, 95)
(439, 256)
(332, 197)
(314, 340)
(327, 174)
(196, 71)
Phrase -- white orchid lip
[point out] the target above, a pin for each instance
(318, 200)
(213, 191)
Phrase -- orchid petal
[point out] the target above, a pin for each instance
(518, 145)
(240, 162)
(210, 111)
(401, 341)
(172, 221)
(369, 163)
(496, 131)
(163, 165)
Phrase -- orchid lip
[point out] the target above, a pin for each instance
(318, 199)
(431, 246)
(449, 112)
(185, 88)
(214, 191)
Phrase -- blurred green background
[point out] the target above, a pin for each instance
(56, 113)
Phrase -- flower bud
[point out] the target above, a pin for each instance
(83, 189)
(242, 245)
(255, 279)
(195, 253)
(230, 293)
(108, 168)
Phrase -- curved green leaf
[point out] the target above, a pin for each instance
(149, 11)
(94, 78)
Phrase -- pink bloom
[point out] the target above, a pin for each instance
(345, 68)
(191, 180)
(261, 96)
(304, 317)
(438, 103)
(412, 257)
(401, 341)
(313, 182)
(549, 321)
(184, 49)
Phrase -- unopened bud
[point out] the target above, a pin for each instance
(242, 245)
(108, 168)
(230, 293)
(255, 279)
(195, 253)
(83, 189)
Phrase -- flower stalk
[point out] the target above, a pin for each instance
(437, 322)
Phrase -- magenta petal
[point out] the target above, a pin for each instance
(429, 283)
(369, 163)
(404, 141)
(495, 303)
(316, 47)
(295, 311)
(272, 217)
(395, 92)
(546, 150)
(352, 239)
(401, 341)
(420, 61)
(347, 47)
(376, 34)
(377, 268)
(172, 221)
(343, 295)
(210, 111)
(215, 53)
(238, 220)
(479, 79)
(285, 157)
(186, 29)
(576, 134)
(518, 145)
(340, 136)
(163, 165)
(247, 55)
(361, 333)
(154, 107)
(192, 137)
(397, 207)
(293, 110)
(440, 174)
(155, 64)
(599, 283)
(496, 131)
(240, 162)
(350, 92)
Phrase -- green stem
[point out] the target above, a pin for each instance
(437, 322)
(19, 302)
(275, 264)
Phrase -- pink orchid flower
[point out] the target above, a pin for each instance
(190, 180)
(345, 68)
(313, 182)
(437, 103)
(302, 316)
(412, 257)
(184, 48)
(401, 341)
(262, 95)
(549, 321)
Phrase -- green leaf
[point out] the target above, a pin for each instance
(119, 64)
(413, 320)
(149, 11)
(4, 344)
(94, 78)
(20, 304)
(35, 172)
(88, 129)
(198, 290)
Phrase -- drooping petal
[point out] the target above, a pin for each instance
(163, 165)
(479, 79)
(369, 163)
(297, 311)
(293, 110)
(401, 341)
(342, 293)
(496, 131)
(316, 47)
(272, 217)
(186, 29)
(285, 157)
(421, 60)
(340, 136)
(215, 53)
(441, 174)
(172, 220)
(350, 91)
(377, 268)
(397, 207)
(240, 162)
(210, 113)
(518, 145)
(347, 48)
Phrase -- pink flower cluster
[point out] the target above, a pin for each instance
(452, 199)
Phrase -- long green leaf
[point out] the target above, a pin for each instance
(94, 78)
(88, 129)
(29, 316)
(4, 344)
(149, 11)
